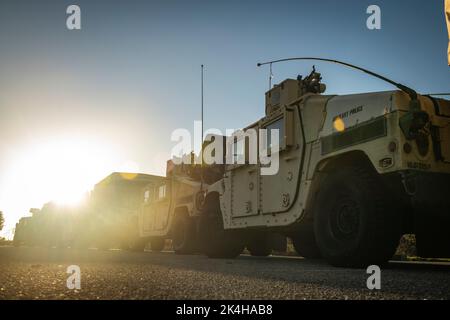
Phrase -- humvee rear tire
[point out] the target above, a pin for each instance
(355, 221)
(259, 245)
(305, 243)
(184, 238)
(218, 243)
(157, 244)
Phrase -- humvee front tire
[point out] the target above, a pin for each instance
(217, 243)
(135, 244)
(259, 245)
(305, 243)
(355, 221)
(157, 244)
(184, 238)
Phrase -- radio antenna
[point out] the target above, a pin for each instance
(438, 94)
(201, 142)
(270, 77)
(412, 93)
(411, 123)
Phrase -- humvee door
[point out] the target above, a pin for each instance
(278, 191)
(156, 207)
(251, 190)
(244, 180)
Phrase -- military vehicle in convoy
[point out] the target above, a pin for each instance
(52, 225)
(356, 172)
(169, 209)
(22, 231)
(172, 207)
(110, 218)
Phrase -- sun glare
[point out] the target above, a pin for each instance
(59, 170)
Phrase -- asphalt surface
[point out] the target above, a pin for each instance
(38, 273)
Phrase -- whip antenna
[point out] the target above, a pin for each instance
(201, 137)
(410, 123)
(412, 93)
(438, 94)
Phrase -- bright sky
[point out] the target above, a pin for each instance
(77, 105)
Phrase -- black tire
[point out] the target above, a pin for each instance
(278, 242)
(157, 244)
(259, 245)
(355, 221)
(183, 235)
(218, 243)
(305, 243)
(138, 244)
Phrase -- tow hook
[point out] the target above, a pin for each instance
(409, 183)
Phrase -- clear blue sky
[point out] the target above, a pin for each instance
(131, 75)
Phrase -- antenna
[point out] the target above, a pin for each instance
(270, 77)
(202, 110)
(201, 142)
(438, 94)
(411, 123)
(412, 93)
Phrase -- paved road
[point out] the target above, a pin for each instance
(36, 273)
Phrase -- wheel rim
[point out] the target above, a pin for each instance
(345, 220)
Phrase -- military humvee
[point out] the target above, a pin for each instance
(169, 209)
(355, 173)
(172, 209)
(22, 232)
(50, 226)
(111, 219)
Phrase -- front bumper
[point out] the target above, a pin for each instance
(424, 192)
(429, 193)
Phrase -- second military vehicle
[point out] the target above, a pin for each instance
(172, 209)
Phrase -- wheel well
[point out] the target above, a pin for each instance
(212, 199)
(353, 157)
(329, 165)
(181, 211)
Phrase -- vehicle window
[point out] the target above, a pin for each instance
(239, 151)
(147, 197)
(276, 125)
(162, 192)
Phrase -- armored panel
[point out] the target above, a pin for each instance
(281, 94)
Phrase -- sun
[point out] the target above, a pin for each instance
(62, 170)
